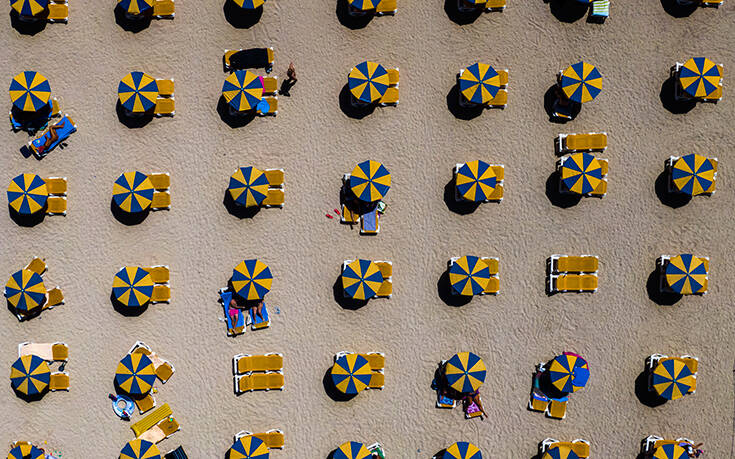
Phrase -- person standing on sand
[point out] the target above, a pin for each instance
(291, 74)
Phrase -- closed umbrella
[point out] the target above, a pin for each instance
(370, 181)
(569, 373)
(361, 279)
(135, 6)
(248, 186)
(581, 82)
(140, 449)
(27, 194)
(693, 174)
(351, 373)
(243, 90)
(25, 452)
(476, 180)
(479, 82)
(30, 91)
(29, 7)
(248, 447)
(462, 450)
(25, 290)
(465, 372)
(581, 173)
(672, 379)
(135, 374)
(699, 77)
(133, 192)
(30, 375)
(469, 275)
(252, 279)
(137, 91)
(132, 286)
(686, 274)
(368, 81)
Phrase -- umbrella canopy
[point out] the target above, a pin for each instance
(560, 452)
(252, 279)
(581, 173)
(30, 375)
(672, 379)
(25, 452)
(27, 194)
(469, 275)
(368, 81)
(25, 290)
(465, 372)
(249, 4)
(364, 5)
(370, 181)
(699, 77)
(352, 450)
(28, 7)
(569, 373)
(248, 447)
(137, 91)
(686, 274)
(30, 91)
(693, 174)
(463, 450)
(581, 82)
(140, 449)
(132, 286)
(135, 6)
(243, 90)
(361, 279)
(479, 82)
(476, 181)
(248, 186)
(133, 192)
(670, 451)
(135, 374)
(351, 373)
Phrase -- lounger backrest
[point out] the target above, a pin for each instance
(165, 371)
(375, 360)
(386, 268)
(386, 6)
(386, 288)
(245, 383)
(391, 96)
(56, 185)
(159, 274)
(493, 265)
(165, 106)
(493, 286)
(161, 293)
(165, 86)
(499, 171)
(244, 364)
(37, 265)
(270, 85)
(275, 380)
(691, 363)
(581, 448)
(56, 205)
(160, 180)
(274, 176)
(377, 381)
(501, 98)
(58, 11)
(274, 198)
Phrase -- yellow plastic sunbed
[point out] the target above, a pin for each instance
(164, 9)
(274, 198)
(160, 180)
(145, 404)
(500, 100)
(58, 12)
(59, 381)
(387, 7)
(37, 265)
(55, 298)
(165, 86)
(573, 264)
(56, 185)
(161, 293)
(161, 200)
(249, 363)
(493, 286)
(386, 289)
(56, 205)
(503, 74)
(165, 106)
(393, 76)
(275, 177)
(495, 5)
(376, 360)
(386, 268)
(390, 97)
(270, 85)
(159, 414)
(557, 409)
(493, 265)
(159, 274)
(377, 380)
(499, 171)
(56, 352)
(576, 283)
(601, 189)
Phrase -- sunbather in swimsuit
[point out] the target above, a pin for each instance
(53, 136)
(473, 398)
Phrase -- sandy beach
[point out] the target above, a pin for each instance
(419, 142)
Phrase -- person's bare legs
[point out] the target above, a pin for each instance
(259, 310)
(476, 399)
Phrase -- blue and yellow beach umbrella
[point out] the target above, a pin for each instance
(370, 181)
(672, 379)
(670, 451)
(25, 290)
(249, 4)
(699, 77)
(133, 192)
(469, 275)
(26, 452)
(137, 92)
(140, 449)
(351, 373)
(693, 174)
(479, 83)
(248, 447)
(29, 7)
(252, 279)
(352, 450)
(135, 6)
(569, 373)
(30, 375)
(364, 5)
(30, 91)
(581, 173)
(368, 81)
(465, 372)
(248, 186)
(135, 374)
(243, 90)
(560, 452)
(132, 286)
(361, 279)
(686, 274)
(581, 82)
(462, 450)
(476, 181)
(27, 194)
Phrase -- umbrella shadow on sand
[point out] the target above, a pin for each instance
(350, 304)
(241, 18)
(669, 100)
(461, 112)
(236, 210)
(133, 121)
(667, 198)
(332, 391)
(27, 27)
(460, 207)
(677, 10)
(451, 8)
(353, 111)
(233, 119)
(131, 23)
(653, 288)
(551, 96)
(25, 220)
(444, 289)
(644, 393)
(29, 398)
(567, 10)
(127, 311)
(352, 21)
(126, 218)
(556, 197)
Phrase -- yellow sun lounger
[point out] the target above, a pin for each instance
(574, 264)
(495, 5)
(161, 200)
(165, 86)
(165, 106)
(583, 142)
(160, 180)
(377, 381)
(386, 268)
(55, 298)
(161, 431)
(58, 12)
(56, 205)
(493, 287)
(500, 100)
(272, 107)
(160, 274)
(51, 352)
(393, 76)
(275, 177)
(390, 97)
(37, 265)
(56, 185)
(59, 381)
(244, 363)
(274, 198)
(575, 283)
(158, 415)
(348, 216)
(557, 409)
(376, 360)
(503, 74)
(161, 293)
(493, 264)
(164, 9)
(386, 289)
(691, 362)
(270, 85)
(259, 381)
(145, 404)
(386, 7)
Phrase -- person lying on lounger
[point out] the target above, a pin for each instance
(53, 136)
(258, 308)
(474, 398)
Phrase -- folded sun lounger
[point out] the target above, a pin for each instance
(165, 86)
(275, 177)
(56, 205)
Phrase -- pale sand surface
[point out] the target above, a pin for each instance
(420, 141)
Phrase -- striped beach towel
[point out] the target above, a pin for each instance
(601, 8)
